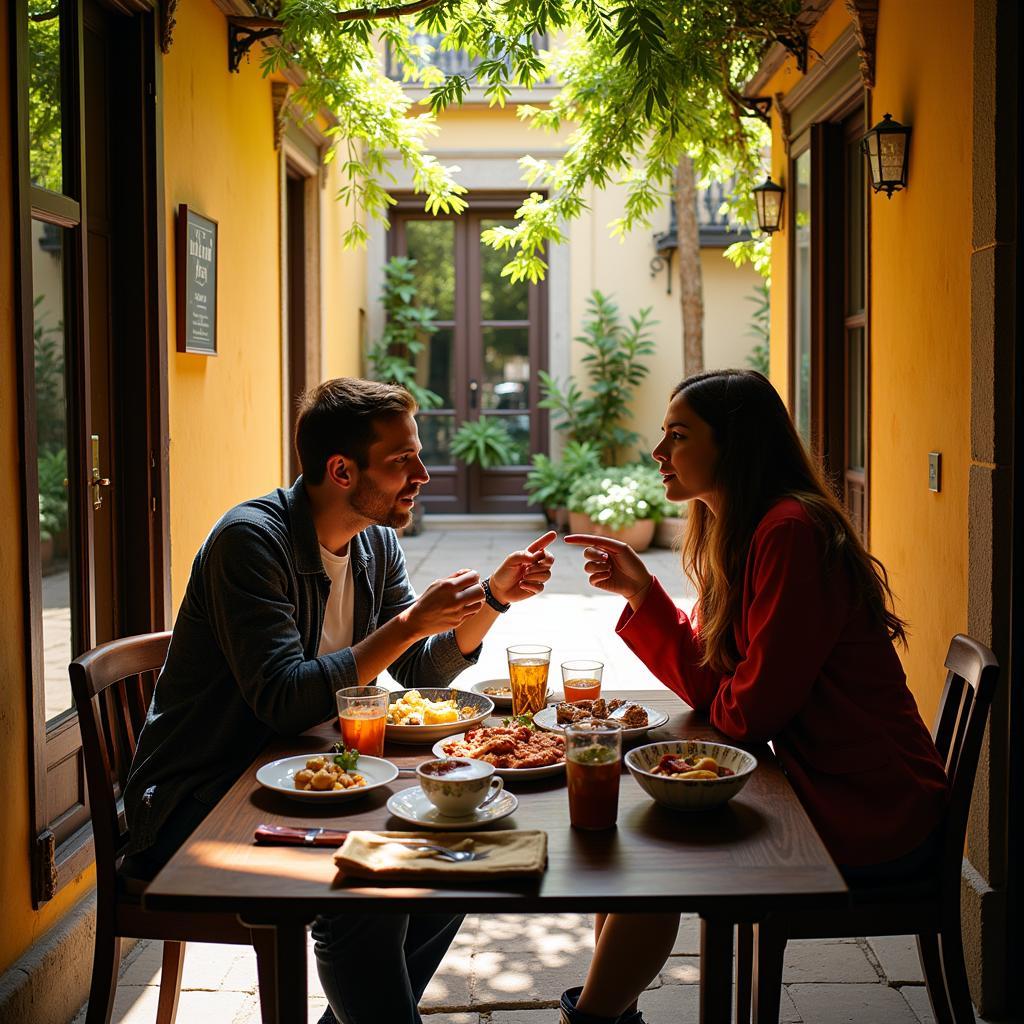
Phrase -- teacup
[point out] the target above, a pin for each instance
(457, 786)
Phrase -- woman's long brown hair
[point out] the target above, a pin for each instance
(762, 460)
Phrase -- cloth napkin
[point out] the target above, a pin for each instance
(370, 855)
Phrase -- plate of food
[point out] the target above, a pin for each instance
(499, 691)
(690, 775)
(636, 718)
(427, 714)
(320, 778)
(516, 751)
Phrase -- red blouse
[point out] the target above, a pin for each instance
(821, 680)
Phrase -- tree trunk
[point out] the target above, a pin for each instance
(691, 285)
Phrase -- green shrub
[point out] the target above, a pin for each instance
(548, 483)
(486, 442)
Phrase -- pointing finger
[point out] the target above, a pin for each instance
(542, 542)
(604, 543)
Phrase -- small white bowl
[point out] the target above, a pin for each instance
(690, 794)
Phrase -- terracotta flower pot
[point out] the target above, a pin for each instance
(668, 531)
(558, 518)
(638, 536)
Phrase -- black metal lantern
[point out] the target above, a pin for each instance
(768, 197)
(887, 147)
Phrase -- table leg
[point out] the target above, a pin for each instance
(715, 970)
(281, 967)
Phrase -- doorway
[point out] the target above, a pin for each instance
(483, 358)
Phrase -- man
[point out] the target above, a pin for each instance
(292, 597)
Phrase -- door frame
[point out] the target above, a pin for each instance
(145, 480)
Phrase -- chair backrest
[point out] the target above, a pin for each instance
(112, 685)
(971, 680)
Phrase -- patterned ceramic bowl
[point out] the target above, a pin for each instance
(690, 794)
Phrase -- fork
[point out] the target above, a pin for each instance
(442, 852)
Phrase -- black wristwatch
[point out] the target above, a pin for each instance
(492, 600)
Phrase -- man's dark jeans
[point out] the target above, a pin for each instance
(373, 967)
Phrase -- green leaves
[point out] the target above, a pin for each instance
(485, 442)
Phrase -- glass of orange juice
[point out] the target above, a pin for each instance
(362, 714)
(581, 680)
(528, 672)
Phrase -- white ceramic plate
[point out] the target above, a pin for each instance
(279, 776)
(482, 707)
(690, 794)
(500, 703)
(412, 805)
(506, 773)
(547, 719)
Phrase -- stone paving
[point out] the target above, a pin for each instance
(511, 969)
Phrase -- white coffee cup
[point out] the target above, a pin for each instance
(457, 786)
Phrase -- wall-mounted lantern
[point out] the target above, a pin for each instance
(768, 197)
(887, 147)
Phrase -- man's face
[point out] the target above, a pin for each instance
(385, 490)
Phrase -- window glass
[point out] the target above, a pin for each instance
(432, 244)
(44, 95)
(436, 431)
(500, 299)
(802, 295)
(434, 367)
(518, 426)
(856, 399)
(52, 464)
(506, 383)
(855, 228)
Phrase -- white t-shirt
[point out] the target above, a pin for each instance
(337, 631)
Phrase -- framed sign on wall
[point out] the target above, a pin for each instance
(196, 282)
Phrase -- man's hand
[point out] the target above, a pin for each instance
(446, 603)
(523, 573)
(613, 566)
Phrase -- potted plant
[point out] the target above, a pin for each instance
(670, 526)
(487, 443)
(548, 483)
(623, 502)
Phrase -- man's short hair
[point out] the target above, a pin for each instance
(337, 417)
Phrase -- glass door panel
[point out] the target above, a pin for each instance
(51, 389)
(500, 299)
(46, 164)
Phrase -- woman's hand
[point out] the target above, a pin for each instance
(613, 566)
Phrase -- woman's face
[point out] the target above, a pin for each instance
(687, 454)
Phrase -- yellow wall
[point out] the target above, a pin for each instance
(920, 246)
(22, 924)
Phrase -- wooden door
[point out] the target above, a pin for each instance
(93, 381)
(482, 358)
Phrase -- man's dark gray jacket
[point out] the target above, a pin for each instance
(243, 664)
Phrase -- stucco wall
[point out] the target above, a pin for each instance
(920, 246)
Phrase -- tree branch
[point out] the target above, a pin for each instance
(357, 14)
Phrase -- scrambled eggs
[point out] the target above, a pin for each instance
(413, 708)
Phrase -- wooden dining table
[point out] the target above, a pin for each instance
(755, 855)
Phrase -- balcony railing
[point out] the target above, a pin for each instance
(716, 230)
(451, 62)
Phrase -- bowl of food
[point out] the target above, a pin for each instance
(500, 691)
(690, 775)
(428, 714)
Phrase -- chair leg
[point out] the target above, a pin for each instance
(931, 965)
(263, 941)
(106, 959)
(744, 970)
(951, 949)
(769, 949)
(170, 981)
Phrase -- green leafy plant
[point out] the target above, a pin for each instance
(53, 495)
(548, 482)
(760, 327)
(392, 357)
(615, 367)
(485, 442)
(619, 496)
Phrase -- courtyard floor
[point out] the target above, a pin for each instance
(512, 969)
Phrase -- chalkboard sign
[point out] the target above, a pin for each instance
(196, 282)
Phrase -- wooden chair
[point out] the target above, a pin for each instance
(927, 906)
(112, 685)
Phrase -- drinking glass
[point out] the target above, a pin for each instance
(528, 671)
(593, 765)
(362, 712)
(581, 680)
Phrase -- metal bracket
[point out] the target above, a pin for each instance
(659, 263)
(758, 106)
(240, 39)
(797, 46)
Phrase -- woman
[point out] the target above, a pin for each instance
(794, 644)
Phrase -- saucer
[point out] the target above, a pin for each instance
(412, 805)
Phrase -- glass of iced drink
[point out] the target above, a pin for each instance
(581, 680)
(362, 712)
(593, 765)
(528, 671)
